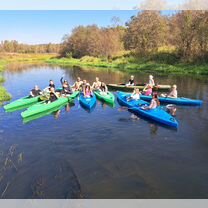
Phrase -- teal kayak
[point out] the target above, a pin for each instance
(87, 103)
(157, 115)
(176, 101)
(21, 103)
(107, 97)
(44, 106)
(122, 100)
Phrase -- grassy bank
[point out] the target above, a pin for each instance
(160, 63)
(131, 64)
(4, 95)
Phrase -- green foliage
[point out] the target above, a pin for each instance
(1, 79)
(4, 96)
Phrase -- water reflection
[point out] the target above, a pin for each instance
(109, 153)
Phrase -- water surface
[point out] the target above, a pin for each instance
(108, 153)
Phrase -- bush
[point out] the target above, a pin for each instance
(4, 96)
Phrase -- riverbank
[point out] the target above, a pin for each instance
(133, 65)
(160, 64)
(9, 58)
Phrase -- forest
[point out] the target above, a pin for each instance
(179, 37)
(184, 35)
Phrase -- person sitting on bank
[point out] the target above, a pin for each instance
(131, 81)
(66, 89)
(96, 85)
(135, 95)
(35, 91)
(173, 93)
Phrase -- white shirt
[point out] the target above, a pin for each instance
(135, 96)
(173, 93)
(153, 104)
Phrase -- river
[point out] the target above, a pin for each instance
(108, 153)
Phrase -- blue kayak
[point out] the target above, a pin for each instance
(176, 101)
(157, 114)
(122, 99)
(87, 103)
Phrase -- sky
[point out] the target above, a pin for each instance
(35, 27)
(75, 4)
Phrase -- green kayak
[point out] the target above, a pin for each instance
(44, 106)
(22, 103)
(108, 98)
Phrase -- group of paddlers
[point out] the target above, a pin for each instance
(87, 89)
(148, 91)
(66, 90)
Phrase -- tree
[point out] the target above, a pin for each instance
(146, 32)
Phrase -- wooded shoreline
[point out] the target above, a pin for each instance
(121, 63)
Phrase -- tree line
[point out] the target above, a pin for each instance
(184, 33)
(15, 47)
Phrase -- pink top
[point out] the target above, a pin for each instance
(87, 93)
(148, 92)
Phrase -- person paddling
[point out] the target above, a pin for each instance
(66, 89)
(96, 85)
(154, 103)
(35, 91)
(131, 81)
(135, 95)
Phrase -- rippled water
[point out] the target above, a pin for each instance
(108, 153)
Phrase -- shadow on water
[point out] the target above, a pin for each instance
(54, 112)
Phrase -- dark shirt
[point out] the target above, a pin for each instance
(66, 89)
(52, 97)
(35, 93)
(131, 82)
(52, 85)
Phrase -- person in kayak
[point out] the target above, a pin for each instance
(96, 85)
(53, 96)
(148, 91)
(66, 89)
(135, 95)
(151, 81)
(173, 93)
(51, 84)
(35, 91)
(87, 91)
(131, 81)
(103, 88)
(83, 85)
(77, 84)
(154, 103)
